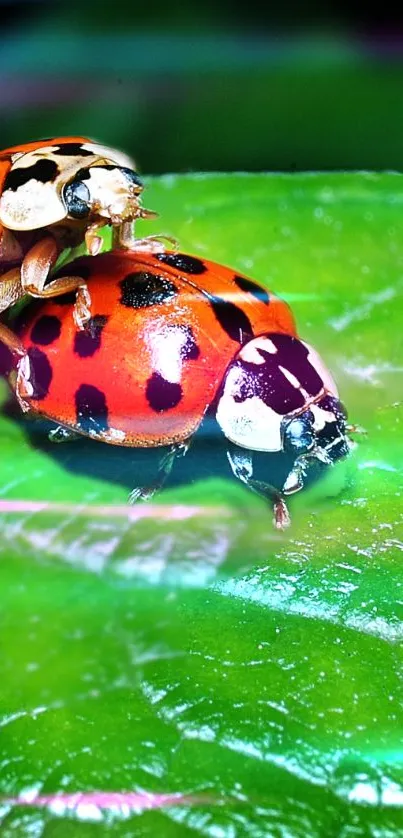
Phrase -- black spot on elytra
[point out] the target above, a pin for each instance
(91, 409)
(41, 373)
(88, 341)
(46, 330)
(44, 171)
(252, 288)
(142, 289)
(162, 394)
(73, 150)
(232, 319)
(268, 382)
(189, 350)
(183, 262)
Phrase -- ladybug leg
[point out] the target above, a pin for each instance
(355, 429)
(242, 467)
(123, 238)
(10, 292)
(35, 271)
(93, 240)
(20, 376)
(12, 341)
(155, 244)
(61, 434)
(10, 248)
(20, 381)
(10, 288)
(179, 449)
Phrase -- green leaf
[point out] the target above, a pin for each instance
(184, 647)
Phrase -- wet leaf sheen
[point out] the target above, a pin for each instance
(181, 669)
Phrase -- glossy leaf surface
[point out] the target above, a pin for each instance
(185, 648)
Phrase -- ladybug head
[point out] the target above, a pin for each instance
(315, 438)
(277, 396)
(105, 190)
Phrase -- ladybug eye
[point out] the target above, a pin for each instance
(77, 199)
(298, 434)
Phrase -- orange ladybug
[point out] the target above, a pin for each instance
(55, 194)
(172, 337)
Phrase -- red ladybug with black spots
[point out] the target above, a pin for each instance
(172, 337)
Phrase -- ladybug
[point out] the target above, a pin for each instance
(56, 194)
(171, 338)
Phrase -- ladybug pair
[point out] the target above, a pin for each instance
(165, 340)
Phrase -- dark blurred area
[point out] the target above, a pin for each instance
(209, 86)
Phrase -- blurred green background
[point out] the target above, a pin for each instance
(201, 87)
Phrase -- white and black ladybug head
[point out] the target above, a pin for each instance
(276, 396)
(315, 438)
(106, 190)
(70, 180)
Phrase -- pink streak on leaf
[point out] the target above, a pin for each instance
(138, 801)
(175, 512)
